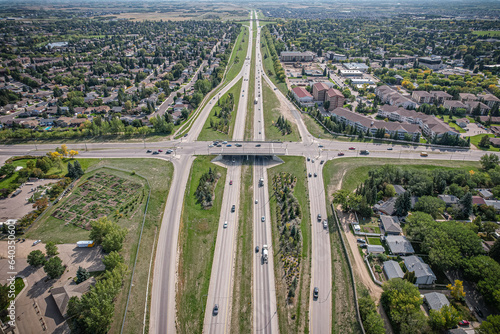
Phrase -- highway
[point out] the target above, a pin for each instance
(265, 318)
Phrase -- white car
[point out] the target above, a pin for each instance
(225, 224)
(256, 201)
(325, 224)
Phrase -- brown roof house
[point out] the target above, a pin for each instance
(62, 294)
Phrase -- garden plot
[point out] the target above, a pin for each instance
(102, 194)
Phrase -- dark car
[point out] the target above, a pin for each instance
(315, 293)
(256, 249)
(315, 175)
(258, 145)
(216, 309)
(310, 175)
(186, 135)
(156, 152)
(389, 149)
(229, 145)
(237, 145)
(148, 151)
(233, 208)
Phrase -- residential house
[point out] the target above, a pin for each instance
(489, 99)
(462, 122)
(485, 193)
(46, 122)
(399, 245)
(63, 294)
(493, 203)
(421, 96)
(436, 300)
(387, 207)
(471, 107)
(423, 273)
(453, 105)
(392, 270)
(302, 95)
(375, 249)
(449, 200)
(178, 107)
(478, 200)
(390, 225)
(399, 189)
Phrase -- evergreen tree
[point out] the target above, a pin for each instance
(403, 204)
(82, 275)
(78, 170)
(71, 171)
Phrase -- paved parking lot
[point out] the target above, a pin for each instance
(18, 206)
(473, 129)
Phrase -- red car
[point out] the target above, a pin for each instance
(464, 323)
(352, 148)
(160, 150)
(340, 154)
(231, 182)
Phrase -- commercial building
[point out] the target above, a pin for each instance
(302, 95)
(356, 66)
(351, 73)
(293, 56)
(434, 62)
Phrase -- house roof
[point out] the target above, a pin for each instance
(449, 199)
(485, 193)
(493, 203)
(334, 92)
(422, 93)
(62, 294)
(375, 249)
(387, 207)
(393, 270)
(399, 189)
(436, 300)
(439, 93)
(301, 92)
(390, 224)
(478, 200)
(398, 244)
(416, 264)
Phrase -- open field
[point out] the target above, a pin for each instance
(239, 54)
(241, 316)
(198, 233)
(271, 106)
(207, 133)
(350, 172)
(293, 318)
(159, 174)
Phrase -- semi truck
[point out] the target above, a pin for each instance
(264, 253)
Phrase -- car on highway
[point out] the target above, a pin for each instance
(352, 148)
(263, 219)
(216, 309)
(229, 145)
(256, 201)
(148, 151)
(231, 182)
(168, 151)
(463, 323)
(156, 152)
(325, 224)
(478, 312)
(315, 175)
(256, 249)
(322, 162)
(312, 160)
(258, 145)
(340, 154)
(319, 217)
(315, 293)
(233, 208)
(238, 145)
(160, 150)
(308, 159)
(310, 175)
(319, 145)
(186, 135)
(225, 224)
(389, 149)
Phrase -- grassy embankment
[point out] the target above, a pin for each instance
(198, 233)
(294, 318)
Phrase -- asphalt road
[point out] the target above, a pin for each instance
(320, 309)
(265, 316)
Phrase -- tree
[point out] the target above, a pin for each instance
(64, 150)
(491, 325)
(82, 275)
(54, 267)
(489, 161)
(100, 228)
(112, 260)
(78, 169)
(7, 170)
(51, 249)
(466, 203)
(36, 258)
(446, 318)
(457, 290)
(431, 205)
(113, 241)
(390, 191)
(484, 142)
(72, 153)
(403, 204)
(495, 251)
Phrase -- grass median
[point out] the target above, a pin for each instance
(198, 233)
(271, 106)
(241, 316)
(251, 92)
(293, 318)
(239, 54)
(207, 133)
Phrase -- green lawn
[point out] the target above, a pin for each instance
(239, 54)
(207, 133)
(251, 92)
(293, 319)
(267, 61)
(241, 316)
(271, 106)
(198, 233)
(454, 125)
(159, 174)
(492, 33)
(350, 172)
(474, 140)
(374, 241)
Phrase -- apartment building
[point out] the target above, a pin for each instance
(391, 96)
